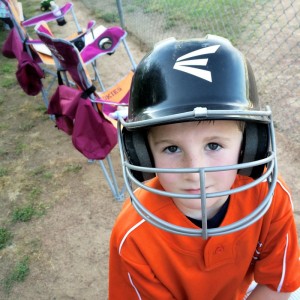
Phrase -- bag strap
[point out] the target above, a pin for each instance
(24, 44)
(59, 78)
(88, 92)
(85, 94)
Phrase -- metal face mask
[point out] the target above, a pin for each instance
(194, 80)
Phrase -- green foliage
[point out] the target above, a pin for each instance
(20, 147)
(3, 172)
(41, 172)
(26, 126)
(17, 274)
(197, 15)
(7, 67)
(45, 5)
(108, 17)
(34, 193)
(72, 168)
(5, 237)
(7, 73)
(24, 214)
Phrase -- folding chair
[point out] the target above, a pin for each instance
(105, 42)
(90, 37)
(78, 38)
(37, 49)
(51, 16)
(21, 41)
(70, 59)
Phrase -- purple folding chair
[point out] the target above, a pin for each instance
(106, 41)
(37, 49)
(89, 36)
(20, 45)
(51, 16)
(68, 58)
(78, 39)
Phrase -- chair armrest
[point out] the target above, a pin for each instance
(105, 43)
(48, 16)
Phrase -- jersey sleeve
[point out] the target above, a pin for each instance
(278, 264)
(130, 277)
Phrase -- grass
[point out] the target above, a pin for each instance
(221, 17)
(107, 16)
(24, 213)
(34, 194)
(6, 69)
(3, 171)
(23, 178)
(32, 207)
(5, 237)
(20, 147)
(26, 126)
(41, 172)
(25, 187)
(7, 81)
(72, 168)
(18, 274)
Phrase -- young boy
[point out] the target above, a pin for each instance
(209, 219)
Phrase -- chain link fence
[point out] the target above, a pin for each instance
(266, 31)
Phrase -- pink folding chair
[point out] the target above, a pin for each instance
(20, 45)
(37, 49)
(77, 38)
(89, 37)
(68, 58)
(51, 16)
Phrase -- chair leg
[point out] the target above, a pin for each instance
(110, 177)
(97, 76)
(129, 54)
(45, 97)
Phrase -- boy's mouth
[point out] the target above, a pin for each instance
(192, 191)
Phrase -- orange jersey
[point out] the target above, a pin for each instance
(149, 263)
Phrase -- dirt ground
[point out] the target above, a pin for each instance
(68, 245)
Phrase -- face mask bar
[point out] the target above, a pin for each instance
(270, 176)
(201, 114)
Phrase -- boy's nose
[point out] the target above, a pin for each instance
(195, 161)
(192, 177)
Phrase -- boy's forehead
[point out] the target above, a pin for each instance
(225, 125)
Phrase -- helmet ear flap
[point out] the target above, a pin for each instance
(255, 146)
(138, 152)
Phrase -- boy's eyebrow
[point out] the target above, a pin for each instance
(216, 137)
(161, 141)
(206, 139)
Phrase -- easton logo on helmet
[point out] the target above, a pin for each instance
(190, 65)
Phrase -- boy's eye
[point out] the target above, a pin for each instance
(213, 146)
(171, 149)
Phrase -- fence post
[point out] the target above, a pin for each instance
(120, 11)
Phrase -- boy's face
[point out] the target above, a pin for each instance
(195, 145)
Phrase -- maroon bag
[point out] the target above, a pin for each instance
(63, 105)
(93, 135)
(29, 75)
(9, 46)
